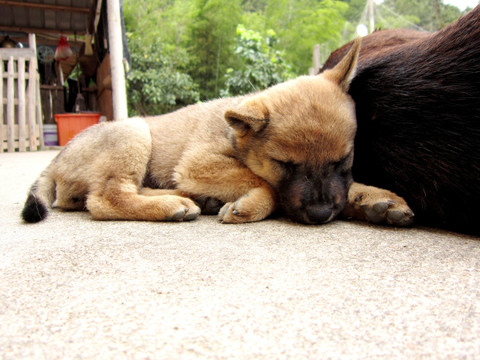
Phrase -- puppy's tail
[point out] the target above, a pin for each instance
(40, 197)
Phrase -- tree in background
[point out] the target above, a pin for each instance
(155, 85)
(301, 24)
(162, 21)
(211, 43)
(158, 81)
(186, 50)
(429, 15)
(198, 36)
(262, 65)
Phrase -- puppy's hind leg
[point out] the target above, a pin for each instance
(114, 192)
(120, 200)
(208, 205)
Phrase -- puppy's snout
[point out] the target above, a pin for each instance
(307, 205)
(313, 196)
(318, 213)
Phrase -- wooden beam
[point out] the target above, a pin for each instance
(15, 52)
(98, 14)
(69, 9)
(33, 30)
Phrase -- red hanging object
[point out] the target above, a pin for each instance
(63, 51)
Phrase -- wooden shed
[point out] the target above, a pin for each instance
(38, 83)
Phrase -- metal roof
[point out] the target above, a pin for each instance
(49, 16)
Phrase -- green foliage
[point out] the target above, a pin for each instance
(211, 43)
(154, 85)
(262, 65)
(301, 24)
(355, 10)
(430, 15)
(158, 81)
(194, 50)
(202, 34)
(162, 21)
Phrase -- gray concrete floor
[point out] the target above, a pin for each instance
(75, 288)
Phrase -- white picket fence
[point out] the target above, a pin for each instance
(20, 110)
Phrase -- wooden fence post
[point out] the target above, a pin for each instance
(2, 133)
(21, 104)
(34, 103)
(10, 106)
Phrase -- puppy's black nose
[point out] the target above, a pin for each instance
(318, 214)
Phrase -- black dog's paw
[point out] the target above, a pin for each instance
(209, 205)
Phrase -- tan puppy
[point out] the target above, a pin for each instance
(290, 146)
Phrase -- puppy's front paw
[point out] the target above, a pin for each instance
(229, 215)
(377, 206)
(392, 212)
(235, 213)
(256, 205)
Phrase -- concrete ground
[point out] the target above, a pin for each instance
(75, 288)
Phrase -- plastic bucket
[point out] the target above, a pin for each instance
(50, 134)
(70, 125)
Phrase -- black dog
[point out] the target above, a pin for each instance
(418, 113)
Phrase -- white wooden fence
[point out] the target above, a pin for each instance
(20, 110)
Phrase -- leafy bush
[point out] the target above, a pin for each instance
(155, 85)
(263, 66)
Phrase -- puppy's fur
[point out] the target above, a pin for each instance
(418, 106)
(290, 146)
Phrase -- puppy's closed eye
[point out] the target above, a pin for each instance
(287, 165)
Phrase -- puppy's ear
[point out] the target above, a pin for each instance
(344, 71)
(251, 116)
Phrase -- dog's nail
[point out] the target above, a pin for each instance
(235, 212)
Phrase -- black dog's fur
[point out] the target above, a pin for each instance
(418, 113)
(375, 44)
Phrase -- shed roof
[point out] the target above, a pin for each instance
(49, 16)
